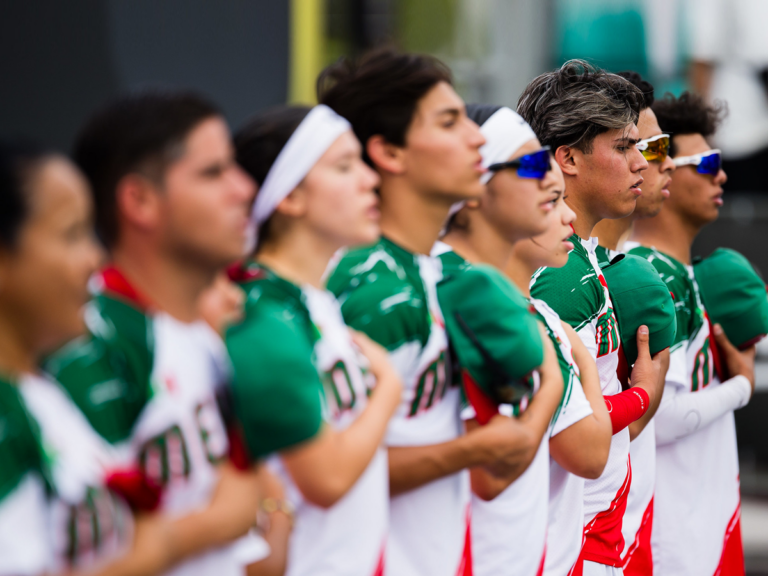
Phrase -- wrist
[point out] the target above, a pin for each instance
(268, 509)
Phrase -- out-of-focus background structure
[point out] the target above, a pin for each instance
(60, 60)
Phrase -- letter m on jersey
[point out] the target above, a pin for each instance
(607, 334)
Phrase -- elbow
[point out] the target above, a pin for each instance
(326, 494)
(593, 468)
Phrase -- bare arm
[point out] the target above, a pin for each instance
(582, 448)
(278, 532)
(649, 374)
(327, 466)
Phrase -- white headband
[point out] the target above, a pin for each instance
(316, 133)
(505, 132)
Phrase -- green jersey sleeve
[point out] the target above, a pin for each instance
(381, 298)
(573, 291)
(107, 372)
(277, 389)
(20, 452)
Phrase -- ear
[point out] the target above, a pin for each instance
(138, 201)
(294, 205)
(385, 156)
(565, 157)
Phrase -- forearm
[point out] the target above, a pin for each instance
(277, 537)
(681, 414)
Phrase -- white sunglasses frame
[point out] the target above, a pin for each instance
(643, 144)
(695, 159)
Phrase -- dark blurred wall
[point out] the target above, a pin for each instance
(60, 60)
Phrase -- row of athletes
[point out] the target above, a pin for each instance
(438, 363)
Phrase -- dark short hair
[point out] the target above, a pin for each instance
(688, 113)
(142, 132)
(479, 113)
(643, 85)
(379, 93)
(259, 142)
(574, 104)
(19, 160)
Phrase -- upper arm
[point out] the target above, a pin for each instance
(277, 390)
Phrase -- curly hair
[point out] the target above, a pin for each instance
(574, 104)
(379, 93)
(643, 85)
(689, 113)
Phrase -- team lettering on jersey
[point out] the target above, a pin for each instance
(90, 525)
(339, 388)
(702, 367)
(607, 333)
(431, 386)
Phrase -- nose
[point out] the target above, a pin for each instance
(476, 138)
(569, 216)
(371, 179)
(668, 165)
(640, 162)
(242, 184)
(721, 177)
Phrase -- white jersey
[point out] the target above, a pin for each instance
(74, 522)
(566, 491)
(348, 538)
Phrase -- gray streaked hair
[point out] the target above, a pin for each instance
(572, 105)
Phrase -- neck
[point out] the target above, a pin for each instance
(299, 257)
(16, 357)
(520, 272)
(585, 218)
(172, 285)
(668, 233)
(479, 242)
(410, 218)
(610, 233)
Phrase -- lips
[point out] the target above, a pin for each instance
(635, 188)
(718, 199)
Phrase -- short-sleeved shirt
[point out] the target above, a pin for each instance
(56, 513)
(577, 292)
(296, 369)
(697, 502)
(389, 293)
(148, 383)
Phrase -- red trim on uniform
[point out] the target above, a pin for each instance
(732, 558)
(622, 370)
(721, 370)
(485, 408)
(116, 283)
(241, 272)
(380, 565)
(543, 558)
(639, 558)
(603, 541)
(139, 491)
(465, 566)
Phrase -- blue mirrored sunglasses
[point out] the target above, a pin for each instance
(535, 165)
(708, 162)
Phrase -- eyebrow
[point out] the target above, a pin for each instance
(626, 140)
(451, 111)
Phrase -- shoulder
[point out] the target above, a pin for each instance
(20, 452)
(276, 385)
(107, 371)
(381, 296)
(574, 291)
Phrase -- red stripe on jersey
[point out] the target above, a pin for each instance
(380, 565)
(732, 558)
(720, 369)
(485, 408)
(543, 558)
(639, 558)
(465, 566)
(116, 283)
(604, 542)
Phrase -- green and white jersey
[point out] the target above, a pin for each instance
(296, 369)
(148, 383)
(578, 293)
(55, 512)
(389, 294)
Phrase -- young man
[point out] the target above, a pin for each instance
(415, 132)
(696, 510)
(638, 519)
(172, 209)
(588, 118)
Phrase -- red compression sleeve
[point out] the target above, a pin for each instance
(626, 407)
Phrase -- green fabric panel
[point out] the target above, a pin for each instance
(277, 390)
(733, 294)
(675, 276)
(573, 291)
(566, 370)
(603, 258)
(20, 451)
(107, 372)
(500, 319)
(382, 294)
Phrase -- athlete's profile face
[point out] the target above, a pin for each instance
(696, 197)
(551, 247)
(205, 199)
(657, 177)
(336, 199)
(442, 147)
(518, 207)
(612, 172)
(44, 277)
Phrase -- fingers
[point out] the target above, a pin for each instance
(722, 340)
(642, 342)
